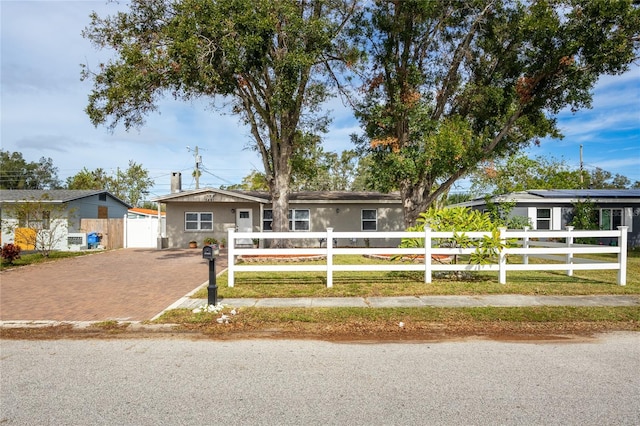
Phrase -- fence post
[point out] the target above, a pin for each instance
(231, 242)
(525, 244)
(502, 258)
(622, 255)
(329, 257)
(427, 255)
(570, 254)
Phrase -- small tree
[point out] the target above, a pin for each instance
(585, 216)
(460, 220)
(38, 223)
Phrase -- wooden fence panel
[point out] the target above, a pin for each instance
(112, 231)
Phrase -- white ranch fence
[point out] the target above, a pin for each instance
(529, 244)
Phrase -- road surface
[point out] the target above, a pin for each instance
(280, 382)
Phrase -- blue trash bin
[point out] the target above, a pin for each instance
(92, 240)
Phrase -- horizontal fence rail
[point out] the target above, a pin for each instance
(525, 243)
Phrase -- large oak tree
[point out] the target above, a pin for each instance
(273, 60)
(453, 83)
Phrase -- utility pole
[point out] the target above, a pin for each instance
(581, 170)
(196, 170)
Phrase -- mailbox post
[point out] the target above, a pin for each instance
(210, 252)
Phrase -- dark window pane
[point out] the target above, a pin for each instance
(368, 226)
(369, 214)
(543, 224)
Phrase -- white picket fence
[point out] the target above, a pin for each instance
(528, 244)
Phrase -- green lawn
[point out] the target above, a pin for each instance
(370, 284)
(31, 258)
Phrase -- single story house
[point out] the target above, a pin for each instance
(78, 205)
(197, 214)
(553, 208)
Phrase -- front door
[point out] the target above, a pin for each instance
(244, 223)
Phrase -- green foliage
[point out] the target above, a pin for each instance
(313, 170)
(10, 252)
(520, 173)
(85, 179)
(129, 185)
(454, 84)
(272, 61)
(210, 240)
(460, 220)
(518, 222)
(585, 216)
(17, 173)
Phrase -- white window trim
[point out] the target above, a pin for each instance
(363, 220)
(549, 219)
(199, 221)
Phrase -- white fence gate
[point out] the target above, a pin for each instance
(142, 232)
(528, 244)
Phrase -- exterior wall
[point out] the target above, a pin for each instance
(223, 219)
(322, 216)
(87, 208)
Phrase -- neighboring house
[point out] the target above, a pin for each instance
(79, 205)
(139, 213)
(553, 209)
(197, 214)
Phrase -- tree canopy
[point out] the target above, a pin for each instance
(130, 185)
(455, 83)
(17, 173)
(272, 60)
(519, 173)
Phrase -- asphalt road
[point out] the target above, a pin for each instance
(264, 382)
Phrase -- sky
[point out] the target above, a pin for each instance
(42, 103)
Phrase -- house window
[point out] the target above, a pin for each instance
(299, 220)
(543, 219)
(35, 220)
(267, 220)
(369, 220)
(610, 219)
(198, 221)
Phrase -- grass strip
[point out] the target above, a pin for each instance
(270, 316)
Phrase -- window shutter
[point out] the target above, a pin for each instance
(628, 218)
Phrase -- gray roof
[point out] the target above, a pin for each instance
(52, 195)
(310, 196)
(586, 193)
(549, 196)
(330, 196)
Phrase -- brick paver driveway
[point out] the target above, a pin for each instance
(126, 284)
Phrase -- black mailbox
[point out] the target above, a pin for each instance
(210, 252)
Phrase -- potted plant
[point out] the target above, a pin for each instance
(193, 244)
(256, 242)
(223, 243)
(210, 241)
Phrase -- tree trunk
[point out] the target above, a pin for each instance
(280, 205)
(279, 188)
(414, 201)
